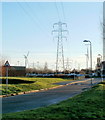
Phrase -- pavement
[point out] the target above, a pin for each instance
(44, 98)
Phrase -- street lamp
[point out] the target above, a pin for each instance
(90, 58)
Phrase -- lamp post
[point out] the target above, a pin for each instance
(90, 58)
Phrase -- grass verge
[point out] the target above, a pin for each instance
(35, 84)
(87, 105)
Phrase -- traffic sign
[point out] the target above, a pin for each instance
(6, 64)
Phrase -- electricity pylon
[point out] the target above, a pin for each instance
(59, 31)
(68, 64)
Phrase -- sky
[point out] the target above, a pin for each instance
(27, 26)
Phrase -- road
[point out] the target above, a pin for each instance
(44, 98)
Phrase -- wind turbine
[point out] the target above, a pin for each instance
(26, 59)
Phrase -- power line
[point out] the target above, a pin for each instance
(63, 11)
(30, 16)
(57, 10)
(35, 16)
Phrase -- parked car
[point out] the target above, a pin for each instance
(31, 75)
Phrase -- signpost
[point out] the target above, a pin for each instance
(7, 65)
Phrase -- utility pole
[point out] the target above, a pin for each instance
(87, 58)
(59, 31)
(90, 59)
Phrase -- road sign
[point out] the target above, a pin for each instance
(6, 64)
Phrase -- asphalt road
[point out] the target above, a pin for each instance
(44, 98)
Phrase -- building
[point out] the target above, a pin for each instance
(98, 67)
(14, 71)
(103, 69)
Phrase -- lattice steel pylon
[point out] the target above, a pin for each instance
(59, 31)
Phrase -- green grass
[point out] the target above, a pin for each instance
(89, 105)
(38, 83)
